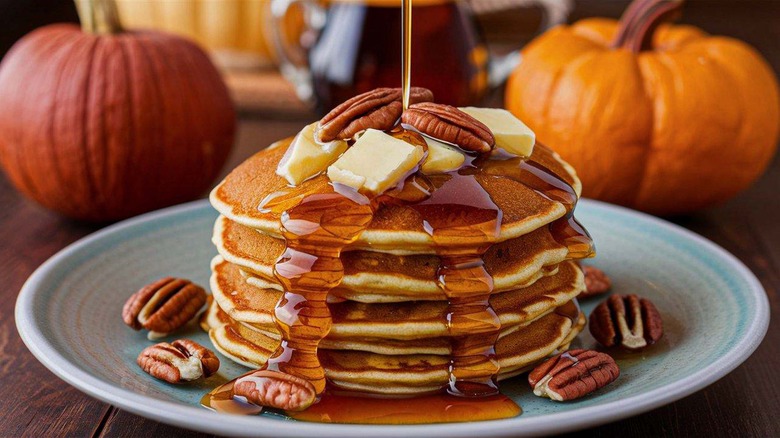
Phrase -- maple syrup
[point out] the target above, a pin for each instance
(316, 229)
(335, 407)
(534, 172)
(221, 399)
(358, 51)
(318, 222)
(425, 409)
(463, 221)
(406, 51)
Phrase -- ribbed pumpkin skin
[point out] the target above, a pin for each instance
(683, 126)
(106, 127)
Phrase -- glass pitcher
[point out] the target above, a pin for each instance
(353, 46)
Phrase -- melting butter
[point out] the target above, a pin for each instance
(441, 158)
(305, 157)
(511, 134)
(375, 163)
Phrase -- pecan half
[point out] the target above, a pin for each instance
(626, 320)
(573, 374)
(276, 390)
(450, 124)
(596, 282)
(180, 361)
(377, 109)
(163, 306)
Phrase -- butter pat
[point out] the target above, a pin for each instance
(441, 158)
(306, 157)
(375, 163)
(511, 134)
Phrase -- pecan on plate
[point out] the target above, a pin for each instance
(275, 389)
(164, 306)
(376, 109)
(627, 321)
(450, 124)
(596, 282)
(573, 374)
(180, 361)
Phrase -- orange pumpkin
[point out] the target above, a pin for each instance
(666, 121)
(104, 124)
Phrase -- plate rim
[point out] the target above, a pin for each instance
(195, 418)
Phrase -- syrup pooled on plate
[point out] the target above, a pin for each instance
(358, 409)
(425, 409)
(221, 399)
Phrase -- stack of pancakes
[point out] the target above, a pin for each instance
(390, 333)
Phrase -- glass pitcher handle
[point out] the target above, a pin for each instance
(555, 12)
(293, 58)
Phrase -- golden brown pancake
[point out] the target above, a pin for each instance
(390, 332)
(394, 321)
(395, 228)
(404, 374)
(512, 263)
(512, 368)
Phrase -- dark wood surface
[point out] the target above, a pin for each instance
(744, 403)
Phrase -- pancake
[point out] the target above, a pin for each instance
(409, 374)
(515, 365)
(420, 374)
(388, 296)
(441, 346)
(245, 346)
(398, 321)
(512, 263)
(395, 228)
(504, 250)
(241, 300)
(214, 316)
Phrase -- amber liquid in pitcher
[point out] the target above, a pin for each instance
(359, 50)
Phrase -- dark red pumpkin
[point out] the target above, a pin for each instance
(102, 124)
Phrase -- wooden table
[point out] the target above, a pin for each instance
(745, 403)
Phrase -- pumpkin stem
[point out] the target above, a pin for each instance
(99, 17)
(641, 19)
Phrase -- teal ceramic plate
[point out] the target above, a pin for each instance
(68, 313)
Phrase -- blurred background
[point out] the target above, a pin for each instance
(286, 62)
(240, 37)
